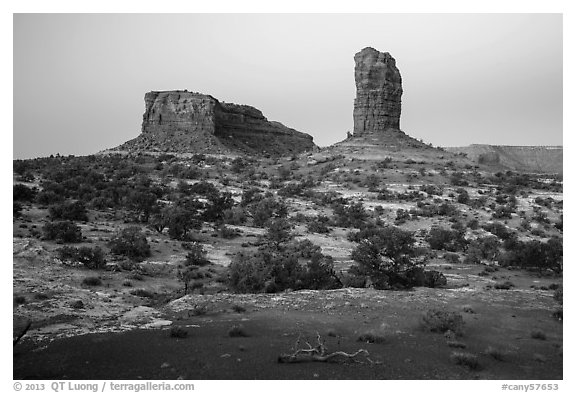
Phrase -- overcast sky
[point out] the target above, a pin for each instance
(80, 80)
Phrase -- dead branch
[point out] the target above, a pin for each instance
(26, 328)
(315, 354)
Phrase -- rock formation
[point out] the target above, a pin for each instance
(187, 122)
(378, 92)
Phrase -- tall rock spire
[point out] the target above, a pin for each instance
(378, 92)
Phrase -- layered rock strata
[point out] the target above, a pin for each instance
(183, 121)
(377, 105)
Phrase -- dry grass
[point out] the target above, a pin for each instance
(456, 344)
(372, 337)
(439, 321)
(466, 359)
(495, 353)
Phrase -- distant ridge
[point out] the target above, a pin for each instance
(539, 159)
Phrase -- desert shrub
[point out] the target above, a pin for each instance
(238, 165)
(560, 223)
(385, 195)
(457, 179)
(473, 224)
(499, 230)
(411, 196)
(385, 163)
(235, 216)
(434, 279)
(502, 212)
(446, 239)
(271, 270)
(451, 257)
(504, 285)
(386, 257)
(92, 281)
(92, 258)
(401, 216)
(203, 188)
(131, 243)
(319, 273)
(541, 217)
(16, 209)
(431, 189)
(535, 254)
(559, 295)
(367, 232)
(295, 189)
(446, 209)
(228, 233)
(437, 209)
(70, 211)
(141, 292)
(319, 224)
(440, 321)
(266, 209)
(180, 220)
(463, 196)
(347, 216)
(23, 193)
(353, 281)
(191, 172)
(250, 275)
(19, 300)
(142, 201)
(48, 197)
(483, 248)
(238, 308)
(178, 332)
(186, 275)
(217, 204)
(196, 255)
(77, 304)
(278, 231)
(466, 359)
(62, 232)
(250, 196)
(418, 277)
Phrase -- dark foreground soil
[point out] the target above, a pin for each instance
(408, 350)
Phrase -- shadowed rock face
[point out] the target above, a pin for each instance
(378, 92)
(187, 122)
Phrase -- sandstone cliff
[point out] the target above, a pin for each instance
(377, 105)
(187, 122)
